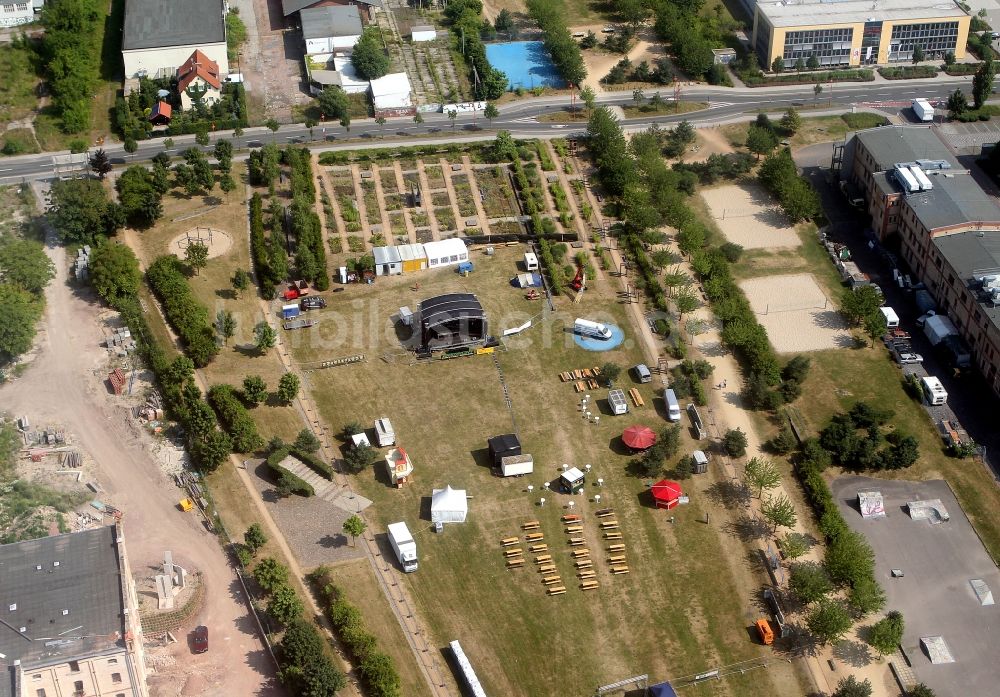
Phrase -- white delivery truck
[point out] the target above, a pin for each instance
(404, 546)
(673, 407)
(384, 433)
(937, 327)
(923, 110)
(891, 318)
(516, 465)
(934, 392)
(584, 327)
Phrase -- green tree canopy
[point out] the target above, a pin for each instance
(19, 310)
(809, 582)
(254, 389)
(139, 196)
(369, 57)
(114, 271)
(333, 102)
(355, 527)
(829, 621)
(288, 387)
(81, 211)
(24, 264)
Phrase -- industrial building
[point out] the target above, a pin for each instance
(70, 617)
(857, 32)
(157, 37)
(946, 227)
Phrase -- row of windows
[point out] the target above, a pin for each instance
(818, 36)
(927, 29)
(18, 7)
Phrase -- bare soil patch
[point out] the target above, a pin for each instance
(748, 216)
(217, 241)
(796, 313)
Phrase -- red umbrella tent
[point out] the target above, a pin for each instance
(666, 493)
(638, 437)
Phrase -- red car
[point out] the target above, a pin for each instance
(200, 640)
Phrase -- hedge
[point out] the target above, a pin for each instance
(188, 317)
(306, 226)
(557, 280)
(296, 483)
(863, 75)
(239, 424)
(908, 72)
(376, 668)
(314, 462)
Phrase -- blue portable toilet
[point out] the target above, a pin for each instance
(465, 268)
(289, 311)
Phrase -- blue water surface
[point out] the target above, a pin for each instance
(526, 63)
(593, 344)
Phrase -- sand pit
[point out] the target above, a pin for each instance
(796, 313)
(748, 216)
(217, 241)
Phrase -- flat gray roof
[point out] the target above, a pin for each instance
(330, 20)
(973, 253)
(66, 592)
(812, 12)
(290, 7)
(955, 199)
(161, 23)
(891, 144)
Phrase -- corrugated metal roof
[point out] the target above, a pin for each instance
(385, 255)
(155, 23)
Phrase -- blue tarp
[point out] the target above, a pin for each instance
(664, 689)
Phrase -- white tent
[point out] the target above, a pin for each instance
(448, 505)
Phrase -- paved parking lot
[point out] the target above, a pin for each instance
(934, 596)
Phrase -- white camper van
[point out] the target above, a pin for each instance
(891, 318)
(530, 261)
(673, 407)
(934, 392)
(584, 327)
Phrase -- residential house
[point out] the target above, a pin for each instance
(199, 77)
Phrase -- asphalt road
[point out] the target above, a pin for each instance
(521, 119)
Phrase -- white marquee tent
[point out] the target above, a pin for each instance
(448, 505)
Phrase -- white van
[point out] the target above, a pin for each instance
(234, 78)
(891, 318)
(642, 373)
(673, 407)
(584, 327)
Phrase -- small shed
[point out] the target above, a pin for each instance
(406, 316)
(360, 439)
(387, 261)
(412, 257)
(449, 505)
(503, 446)
(530, 261)
(699, 462)
(572, 481)
(423, 32)
(399, 466)
(161, 114)
(667, 493)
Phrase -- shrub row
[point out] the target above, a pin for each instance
(651, 282)
(188, 317)
(557, 280)
(532, 197)
(238, 422)
(306, 226)
(377, 668)
(559, 41)
(306, 665)
(465, 17)
(287, 479)
(908, 72)
(258, 245)
(799, 200)
(980, 45)
(960, 68)
(861, 75)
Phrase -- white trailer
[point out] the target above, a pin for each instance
(530, 261)
(384, 433)
(937, 327)
(403, 545)
(516, 465)
(923, 110)
(616, 400)
(934, 392)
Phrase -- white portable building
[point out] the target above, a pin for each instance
(424, 32)
(448, 505)
(934, 392)
(530, 261)
(350, 81)
(446, 252)
(391, 92)
(387, 261)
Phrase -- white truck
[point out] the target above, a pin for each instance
(403, 545)
(934, 392)
(517, 465)
(384, 433)
(923, 110)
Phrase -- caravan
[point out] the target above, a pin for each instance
(584, 327)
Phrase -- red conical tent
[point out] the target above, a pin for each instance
(666, 493)
(638, 437)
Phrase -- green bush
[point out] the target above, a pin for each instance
(188, 317)
(907, 72)
(286, 478)
(238, 422)
(810, 78)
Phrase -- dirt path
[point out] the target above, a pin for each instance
(66, 385)
(452, 194)
(428, 206)
(411, 233)
(484, 221)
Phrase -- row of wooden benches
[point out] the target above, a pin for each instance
(580, 374)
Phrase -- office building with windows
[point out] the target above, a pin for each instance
(856, 32)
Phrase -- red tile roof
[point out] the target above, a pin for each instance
(198, 65)
(161, 109)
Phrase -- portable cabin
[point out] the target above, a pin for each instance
(530, 261)
(445, 252)
(934, 392)
(399, 467)
(699, 462)
(387, 261)
(572, 481)
(616, 400)
(406, 316)
(412, 257)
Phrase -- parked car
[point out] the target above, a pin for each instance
(923, 318)
(907, 358)
(312, 302)
(200, 640)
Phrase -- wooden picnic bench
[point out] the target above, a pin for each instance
(580, 553)
(542, 558)
(610, 525)
(580, 386)
(551, 580)
(583, 563)
(572, 518)
(578, 374)
(546, 568)
(605, 512)
(615, 558)
(534, 549)
(577, 541)
(534, 536)
(531, 525)
(511, 563)
(508, 541)
(619, 569)
(573, 528)
(593, 384)
(596, 370)
(566, 376)
(516, 552)
(589, 585)
(616, 548)
(588, 373)
(586, 573)
(557, 590)
(636, 397)
(612, 536)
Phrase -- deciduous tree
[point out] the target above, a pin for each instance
(254, 537)
(270, 573)
(355, 526)
(254, 389)
(23, 263)
(779, 511)
(809, 582)
(761, 475)
(264, 336)
(288, 387)
(307, 441)
(284, 604)
(196, 256)
(225, 323)
(114, 272)
(852, 687)
(368, 56)
(828, 621)
(19, 310)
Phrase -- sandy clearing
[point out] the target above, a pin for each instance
(708, 141)
(796, 313)
(218, 241)
(748, 216)
(600, 62)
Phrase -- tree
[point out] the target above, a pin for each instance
(227, 183)
(100, 163)
(866, 596)
(201, 137)
(761, 475)
(685, 301)
(254, 389)
(358, 457)
(778, 65)
(791, 121)
(129, 145)
(254, 537)
(345, 122)
(829, 620)
(875, 326)
(504, 148)
(735, 442)
(418, 118)
(793, 545)
(760, 141)
(264, 336)
(860, 303)
(610, 372)
(817, 91)
(452, 116)
(307, 441)
(333, 102)
(982, 82)
(813, 62)
(850, 687)
(920, 689)
(19, 310)
(138, 196)
(306, 668)
(368, 57)
(588, 97)
(779, 511)
(270, 574)
(211, 449)
(196, 256)
(225, 324)
(800, 64)
(23, 263)
(223, 152)
(284, 605)
(240, 281)
(380, 120)
(918, 54)
(491, 112)
(288, 388)
(114, 272)
(272, 125)
(809, 582)
(355, 527)
(957, 103)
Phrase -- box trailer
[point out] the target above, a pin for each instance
(957, 351)
(925, 301)
(403, 545)
(516, 465)
(289, 311)
(923, 110)
(384, 433)
(937, 327)
(530, 261)
(934, 392)
(891, 318)
(616, 400)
